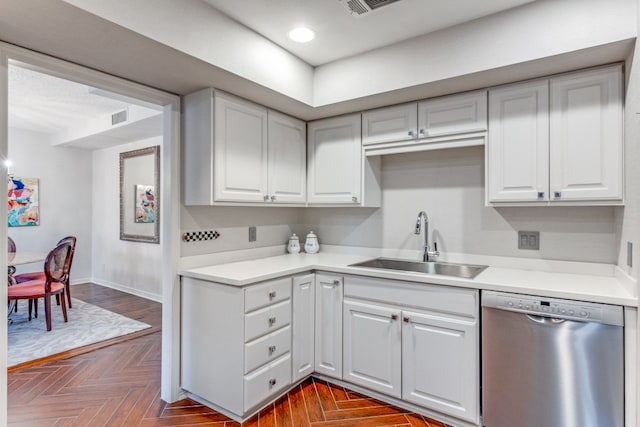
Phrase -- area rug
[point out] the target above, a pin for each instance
(88, 324)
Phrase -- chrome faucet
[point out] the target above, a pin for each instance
(428, 253)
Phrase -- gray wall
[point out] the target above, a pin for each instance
(65, 186)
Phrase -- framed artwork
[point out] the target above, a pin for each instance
(145, 203)
(23, 205)
(140, 203)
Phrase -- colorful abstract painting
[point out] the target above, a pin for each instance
(24, 209)
(145, 204)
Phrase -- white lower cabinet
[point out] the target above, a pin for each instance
(328, 333)
(440, 363)
(416, 342)
(235, 343)
(304, 302)
(372, 347)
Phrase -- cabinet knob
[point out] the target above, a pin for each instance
(272, 294)
(422, 132)
(405, 319)
(410, 133)
(272, 382)
(336, 282)
(557, 194)
(273, 198)
(272, 321)
(394, 317)
(266, 197)
(540, 194)
(272, 349)
(354, 199)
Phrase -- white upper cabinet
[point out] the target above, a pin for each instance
(558, 140)
(462, 113)
(287, 167)
(397, 123)
(239, 152)
(586, 133)
(338, 173)
(518, 147)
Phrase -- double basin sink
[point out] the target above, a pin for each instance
(465, 271)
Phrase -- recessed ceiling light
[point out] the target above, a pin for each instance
(301, 35)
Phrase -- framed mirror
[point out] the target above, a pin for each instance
(140, 195)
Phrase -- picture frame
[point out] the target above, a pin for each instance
(140, 213)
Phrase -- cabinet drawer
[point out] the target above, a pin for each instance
(266, 294)
(267, 381)
(267, 348)
(265, 320)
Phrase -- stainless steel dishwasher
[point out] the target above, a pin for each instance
(551, 362)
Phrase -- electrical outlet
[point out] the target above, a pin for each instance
(629, 254)
(529, 240)
(252, 234)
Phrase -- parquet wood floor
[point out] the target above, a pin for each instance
(119, 385)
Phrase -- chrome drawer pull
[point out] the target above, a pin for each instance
(272, 294)
(272, 321)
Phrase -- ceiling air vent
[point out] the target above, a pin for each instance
(360, 8)
(119, 117)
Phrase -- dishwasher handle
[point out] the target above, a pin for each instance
(545, 319)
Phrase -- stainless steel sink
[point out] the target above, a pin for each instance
(466, 271)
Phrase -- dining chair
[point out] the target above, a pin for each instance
(11, 247)
(53, 284)
(39, 275)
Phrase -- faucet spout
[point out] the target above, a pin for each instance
(428, 254)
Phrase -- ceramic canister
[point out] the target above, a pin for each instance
(311, 245)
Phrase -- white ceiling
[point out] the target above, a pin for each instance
(339, 35)
(56, 107)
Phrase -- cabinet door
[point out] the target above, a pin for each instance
(517, 152)
(240, 163)
(466, 112)
(372, 346)
(397, 123)
(328, 348)
(440, 364)
(586, 135)
(335, 160)
(287, 154)
(303, 321)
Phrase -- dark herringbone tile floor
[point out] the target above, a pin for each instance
(119, 385)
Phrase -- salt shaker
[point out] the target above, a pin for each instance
(311, 245)
(294, 244)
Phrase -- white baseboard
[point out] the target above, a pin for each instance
(137, 292)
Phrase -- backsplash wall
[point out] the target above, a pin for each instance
(449, 186)
(274, 225)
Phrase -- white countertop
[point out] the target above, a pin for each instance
(585, 287)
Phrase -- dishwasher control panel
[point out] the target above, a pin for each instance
(553, 307)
